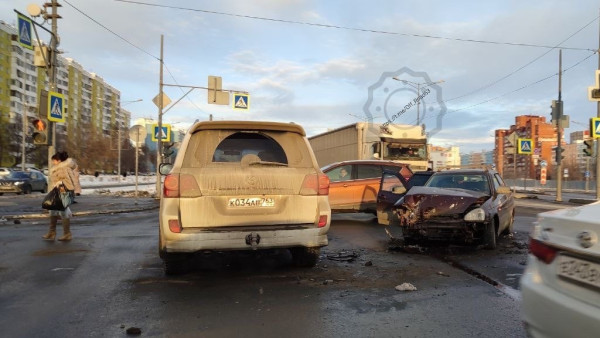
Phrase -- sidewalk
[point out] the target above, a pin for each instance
(30, 206)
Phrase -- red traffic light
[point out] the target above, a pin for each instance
(40, 135)
(39, 125)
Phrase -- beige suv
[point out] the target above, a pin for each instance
(243, 186)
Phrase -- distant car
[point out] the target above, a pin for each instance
(354, 184)
(465, 205)
(23, 182)
(561, 284)
(4, 171)
(240, 185)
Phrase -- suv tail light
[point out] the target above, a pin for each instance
(541, 250)
(315, 184)
(183, 185)
(322, 221)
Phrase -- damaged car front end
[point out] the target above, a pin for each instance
(458, 206)
(444, 214)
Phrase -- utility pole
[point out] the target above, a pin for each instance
(52, 76)
(558, 132)
(598, 140)
(24, 131)
(160, 113)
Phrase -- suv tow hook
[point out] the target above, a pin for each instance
(253, 240)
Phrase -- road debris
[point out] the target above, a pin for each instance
(369, 263)
(441, 273)
(343, 256)
(406, 287)
(134, 331)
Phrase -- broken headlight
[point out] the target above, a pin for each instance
(475, 215)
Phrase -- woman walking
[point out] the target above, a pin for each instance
(61, 175)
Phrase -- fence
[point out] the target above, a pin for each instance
(551, 184)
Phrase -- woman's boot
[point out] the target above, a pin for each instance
(52, 230)
(66, 223)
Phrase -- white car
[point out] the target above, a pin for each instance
(4, 171)
(561, 284)
(243, 186)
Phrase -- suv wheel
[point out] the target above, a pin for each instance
(305, 257)
(27, 189)
(489, 235)
(175, 264)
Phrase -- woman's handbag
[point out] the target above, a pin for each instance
(53, 200)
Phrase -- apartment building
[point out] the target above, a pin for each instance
(544, 139)
(92, 106)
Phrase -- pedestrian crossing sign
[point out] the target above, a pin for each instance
(56, 107)
(595, 124)
(525, 146)
(241, 101)
(24, 26)
(165, 135)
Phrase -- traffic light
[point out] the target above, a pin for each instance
(588, 150)
(557, 111)
(40, 132)
(168, 149)
(559, 154)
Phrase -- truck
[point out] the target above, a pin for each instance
(367, 141)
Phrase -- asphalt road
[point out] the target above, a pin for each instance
(109, 279)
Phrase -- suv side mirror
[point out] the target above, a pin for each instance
(165, 168)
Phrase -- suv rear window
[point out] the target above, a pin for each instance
(238, 145)
(228, 147)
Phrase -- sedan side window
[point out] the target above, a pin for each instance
(341, 173)
(368, 171)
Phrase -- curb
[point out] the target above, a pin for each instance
(82, 213)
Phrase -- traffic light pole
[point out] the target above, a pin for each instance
(53, 64)
(559, 133)
(160, 114)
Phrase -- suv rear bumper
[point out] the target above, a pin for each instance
(192, 240)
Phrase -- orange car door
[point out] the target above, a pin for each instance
(341, 187)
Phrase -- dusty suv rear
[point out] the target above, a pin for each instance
(242, 186)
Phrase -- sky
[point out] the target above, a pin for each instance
(326, 64)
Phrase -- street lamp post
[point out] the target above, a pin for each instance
(417, 86)
(123, 103)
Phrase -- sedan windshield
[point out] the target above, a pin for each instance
(20, 175)
(474, 182)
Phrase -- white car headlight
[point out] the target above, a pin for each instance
(19, 183)
(475, 215)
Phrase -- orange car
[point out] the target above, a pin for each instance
(354, 184)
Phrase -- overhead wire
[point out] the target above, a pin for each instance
(109, 30)
(522, 67)
(348, 28)
(379, 32)
(132, 44)
(520, 88)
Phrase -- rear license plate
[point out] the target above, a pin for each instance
(580, 270)
(251, 202)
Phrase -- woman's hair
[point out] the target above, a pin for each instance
(60, 156)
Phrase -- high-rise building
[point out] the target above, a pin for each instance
(92, 106)
(544, 139)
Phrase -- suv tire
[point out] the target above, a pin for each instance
(305, 257)
(175, 264)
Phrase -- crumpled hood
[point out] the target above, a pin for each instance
(428, 202)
